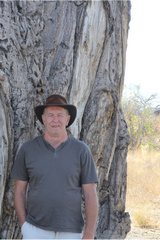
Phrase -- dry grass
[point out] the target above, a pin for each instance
(143, 189)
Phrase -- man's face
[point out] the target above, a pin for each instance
(55, 120)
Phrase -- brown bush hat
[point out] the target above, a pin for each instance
(57, 101)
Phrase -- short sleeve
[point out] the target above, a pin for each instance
(19, 170)
(88, 169)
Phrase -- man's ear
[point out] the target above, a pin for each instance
(43, 118)
(68, 119)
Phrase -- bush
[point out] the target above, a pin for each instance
(142, 219)
(143, 124)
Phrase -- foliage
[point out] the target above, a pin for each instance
(143, 124)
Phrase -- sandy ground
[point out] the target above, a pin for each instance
(141, 233)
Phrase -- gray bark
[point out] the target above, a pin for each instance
(77, 49)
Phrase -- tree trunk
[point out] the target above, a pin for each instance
(77, 49)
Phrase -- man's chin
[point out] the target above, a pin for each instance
(56, 132)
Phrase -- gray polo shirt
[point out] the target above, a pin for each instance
(55, 182)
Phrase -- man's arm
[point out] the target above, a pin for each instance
(20, 200)
(91, 209)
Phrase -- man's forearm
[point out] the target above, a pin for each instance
(20, 206)
(20, 200)
(91, 209)
(91, 218)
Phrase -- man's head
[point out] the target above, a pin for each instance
(56, 100)
(55, 120)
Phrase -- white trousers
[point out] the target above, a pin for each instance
(31, 232)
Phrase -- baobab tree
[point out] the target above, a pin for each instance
(77, 49)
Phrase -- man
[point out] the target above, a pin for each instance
(56, 167)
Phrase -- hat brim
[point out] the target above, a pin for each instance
(71, 109)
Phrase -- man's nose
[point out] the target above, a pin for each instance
(55, 119)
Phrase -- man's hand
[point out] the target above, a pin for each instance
(91, 209)
(88, 236)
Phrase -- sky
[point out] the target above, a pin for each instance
(143, 50)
